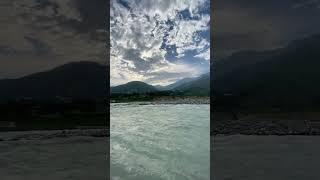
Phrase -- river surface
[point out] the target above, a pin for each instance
(160, 142)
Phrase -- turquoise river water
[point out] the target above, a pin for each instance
(160, 142)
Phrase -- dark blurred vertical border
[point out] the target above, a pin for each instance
(108, 86)
(212, 30)
(54, 89)
(265, 93)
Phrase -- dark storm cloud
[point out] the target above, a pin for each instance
(7, 50)
(38, 46)
(307, 4)
(93, 14)
(246, 24)
(37, 35)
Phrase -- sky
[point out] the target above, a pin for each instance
(38, 35)
(159, 42)
(155, 41)
(260, 25)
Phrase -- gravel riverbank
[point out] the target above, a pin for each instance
(172, 100)
(243, 157)
(52, 156)
(258, 127)
(239, 157)
(263, 125)
(43, 135)
(181, 100)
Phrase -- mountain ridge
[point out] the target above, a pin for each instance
(198, 86)
(283, 75)
(133, 87)
(77, 80)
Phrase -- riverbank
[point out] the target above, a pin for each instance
(73, 157)
(170, 100)
(225, 123)
(50, 134)
(240, 157)
(244, 157)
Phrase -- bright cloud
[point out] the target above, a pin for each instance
(158, 41)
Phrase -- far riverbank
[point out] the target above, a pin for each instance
(168, 100)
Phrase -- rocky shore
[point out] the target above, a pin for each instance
(43, 135)
(172, 100)
(242, 157)
(249, 126)
(30, 155)
(181, 100)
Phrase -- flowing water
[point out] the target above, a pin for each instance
(160, 142)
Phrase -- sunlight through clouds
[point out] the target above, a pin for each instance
(154, 37)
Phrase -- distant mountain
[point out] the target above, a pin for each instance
(160, 88)
(76, 80)
(179, 83)
(174, 85)
(196, 86)
(133, 87)
(89, 80)
(199, 86)
(281, 75)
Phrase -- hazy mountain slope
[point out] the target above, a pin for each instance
(179, 83)
(174, 85)
(197, 87)
(78, 79)
(282, 74)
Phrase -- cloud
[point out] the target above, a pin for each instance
(204, 55)
(306, 4)
(260, 25)
(144, 34)
(184, 36)
(37, 35)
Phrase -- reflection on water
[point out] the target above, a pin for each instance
(160, 142)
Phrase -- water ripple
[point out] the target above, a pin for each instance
(165, 142)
